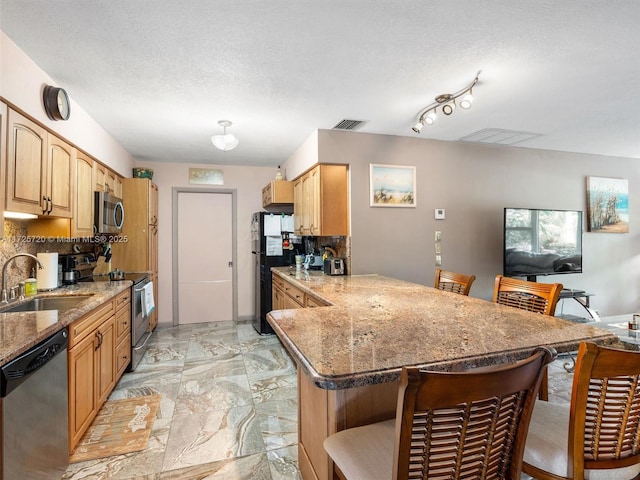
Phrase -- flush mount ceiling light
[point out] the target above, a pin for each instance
(447, 104)
(226, 141)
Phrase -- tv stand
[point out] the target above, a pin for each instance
(582, 298)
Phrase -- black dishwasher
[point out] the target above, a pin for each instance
(35, 425)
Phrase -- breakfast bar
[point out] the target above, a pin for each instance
(350, 352)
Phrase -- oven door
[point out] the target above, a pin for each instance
(139, 326)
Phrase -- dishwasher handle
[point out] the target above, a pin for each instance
(22, 367)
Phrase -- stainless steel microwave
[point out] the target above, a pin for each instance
(109, 213)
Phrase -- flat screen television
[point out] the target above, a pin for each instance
(541, 242)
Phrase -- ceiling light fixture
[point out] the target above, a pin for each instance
(226, 141)
(447, 102)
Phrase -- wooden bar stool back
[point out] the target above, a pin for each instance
(531, 296)
(454, 282)
(461, 425)
(597, 436)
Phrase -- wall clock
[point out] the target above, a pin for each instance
(56, 103)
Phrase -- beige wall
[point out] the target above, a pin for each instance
(474, 183)
(248, 181)
(22, 83)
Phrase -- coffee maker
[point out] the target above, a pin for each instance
(70, 274)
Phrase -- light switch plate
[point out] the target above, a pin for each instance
(438, 249)
(439, 213)
(438, 261)
(438, 236)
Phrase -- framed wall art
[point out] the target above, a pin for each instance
(206, 176)
(392, 185)
(607, 205)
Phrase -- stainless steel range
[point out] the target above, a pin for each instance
(84, 264)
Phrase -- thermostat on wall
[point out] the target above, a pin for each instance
(439, 213)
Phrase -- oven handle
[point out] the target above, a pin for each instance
(143, 343)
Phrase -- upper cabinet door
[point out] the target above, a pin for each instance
(99, 176)
(61, 161)
(26, 166)
(321, 201)
(83, 205)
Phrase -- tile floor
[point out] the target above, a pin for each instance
(228, 408)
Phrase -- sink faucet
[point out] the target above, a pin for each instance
(4, 273)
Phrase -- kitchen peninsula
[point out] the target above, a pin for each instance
(350, 354)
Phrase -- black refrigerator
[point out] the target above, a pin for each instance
(268, 251)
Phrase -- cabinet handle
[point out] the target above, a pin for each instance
(45, 207)
(99, 337)
(50, 205)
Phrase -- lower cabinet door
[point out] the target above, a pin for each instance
(106, 378)
(123, 355)
(82, 389)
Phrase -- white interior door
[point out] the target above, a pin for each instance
(205, 254)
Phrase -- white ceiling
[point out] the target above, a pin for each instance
(159, 74)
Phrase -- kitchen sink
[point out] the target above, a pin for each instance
(47, 303)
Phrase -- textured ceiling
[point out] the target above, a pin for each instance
(159, 74)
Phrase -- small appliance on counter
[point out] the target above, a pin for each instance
(76, 266)
(334, 266)
(313, 262)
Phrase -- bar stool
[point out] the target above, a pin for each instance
(454, 282)
(469, 424)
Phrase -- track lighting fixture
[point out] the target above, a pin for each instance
(447, 103)
(226, 141)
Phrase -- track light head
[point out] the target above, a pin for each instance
(448, 108)
(418, 127)
(466, 101)
(431, 117)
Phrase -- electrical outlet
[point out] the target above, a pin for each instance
(438, 261)
(438, 248)
(438, 236)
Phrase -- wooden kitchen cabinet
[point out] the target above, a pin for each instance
(60, 167)
(82, 222)
(277, 293)
(320, 201)
(285, 295)
(91, 368)
(27, 149)
(140, 252)
(99, 177)
(277, 192)
(3, 160)
(123, 332)
(39, 170)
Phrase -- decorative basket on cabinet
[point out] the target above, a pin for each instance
(143, 173)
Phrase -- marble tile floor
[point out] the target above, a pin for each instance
(228, 408)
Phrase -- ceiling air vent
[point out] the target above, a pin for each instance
(349, 124)
(500, 136)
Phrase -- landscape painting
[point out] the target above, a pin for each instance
(392, 186)
(608, 205)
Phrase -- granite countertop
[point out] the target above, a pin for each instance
(375, 325)
(19, 331)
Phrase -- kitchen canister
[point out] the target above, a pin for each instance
(47, 277)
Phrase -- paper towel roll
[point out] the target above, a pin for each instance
(48, 276)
